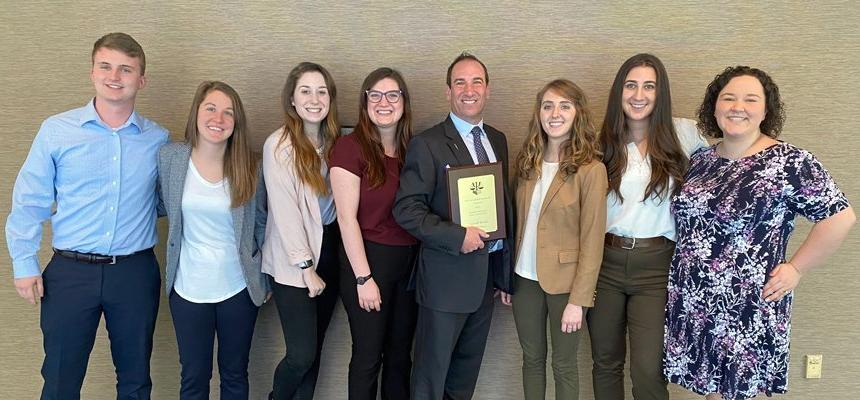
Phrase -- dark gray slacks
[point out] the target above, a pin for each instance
(631, 298)
(449, 348)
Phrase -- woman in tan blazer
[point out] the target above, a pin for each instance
(561, 219)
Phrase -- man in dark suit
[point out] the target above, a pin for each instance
(457, 270)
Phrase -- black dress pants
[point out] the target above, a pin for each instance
(381, 339)
(304, 321)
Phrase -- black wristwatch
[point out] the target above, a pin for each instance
(361, 280)
(306, 264)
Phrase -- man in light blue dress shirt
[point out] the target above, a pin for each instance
(92, 171)
(456, 271)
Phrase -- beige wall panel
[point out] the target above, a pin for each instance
(811, 49)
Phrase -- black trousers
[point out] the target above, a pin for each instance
(76, 296)
(381, 339)
(196, 326)
(450, 348)
(304, 321)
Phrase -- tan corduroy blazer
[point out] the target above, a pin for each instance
(570, 231)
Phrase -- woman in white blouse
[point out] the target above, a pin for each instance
(302, 236)
(209, 188)
(646, 153)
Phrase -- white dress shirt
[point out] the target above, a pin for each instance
(651, 217)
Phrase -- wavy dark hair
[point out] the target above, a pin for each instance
(307, 163)
(578, 149)
(367, 134)
(240, 165)
(774, 117)
(668, 159)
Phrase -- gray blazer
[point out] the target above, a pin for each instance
(249, 221)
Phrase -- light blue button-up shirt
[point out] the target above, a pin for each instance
(465, 130)
(97, 184)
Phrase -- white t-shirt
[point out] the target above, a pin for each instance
(652, 217)
(527, 261)
(209, 267)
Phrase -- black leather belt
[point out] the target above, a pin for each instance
(91, 258)
(635, 243)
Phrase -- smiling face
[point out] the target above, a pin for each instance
(385, 114)
(215, 118)
(468, 91)
(556, 116)
(639, 95)
(740, 107)
(311, 98)
(116, 77)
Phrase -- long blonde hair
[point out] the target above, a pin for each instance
(240, 165)
(580, 148)
(307, 163)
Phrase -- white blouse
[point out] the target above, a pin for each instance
(527, 261)
(652, 217)
(209, 266)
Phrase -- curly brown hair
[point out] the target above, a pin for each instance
(774, 117)
(579, 149)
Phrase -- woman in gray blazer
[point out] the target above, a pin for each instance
(215, 286)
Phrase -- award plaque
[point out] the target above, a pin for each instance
(476, 198)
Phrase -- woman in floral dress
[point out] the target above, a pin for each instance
(728, 317)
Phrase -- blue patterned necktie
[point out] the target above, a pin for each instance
(483, 158)
(480, 151)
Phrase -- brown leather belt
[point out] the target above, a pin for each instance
(91, 258)
(627, 243)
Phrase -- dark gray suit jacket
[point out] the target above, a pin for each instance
(446, 279)
(249, 221)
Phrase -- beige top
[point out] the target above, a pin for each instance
(294, 228)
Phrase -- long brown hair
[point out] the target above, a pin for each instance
(367, 134)
(578, 149)
(240, 165)
(307, 163)
(668, 159)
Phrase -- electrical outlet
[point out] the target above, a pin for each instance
(813, 366)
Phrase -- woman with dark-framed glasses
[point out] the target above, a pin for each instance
(377, 255)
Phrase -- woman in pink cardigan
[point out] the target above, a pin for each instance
(302, 236)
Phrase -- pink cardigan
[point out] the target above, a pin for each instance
(294, 227)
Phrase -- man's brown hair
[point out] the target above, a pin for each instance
(123, 43)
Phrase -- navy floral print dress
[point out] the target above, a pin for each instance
(734, 218)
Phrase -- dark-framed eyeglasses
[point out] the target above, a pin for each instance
(375, 96)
